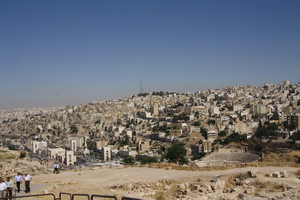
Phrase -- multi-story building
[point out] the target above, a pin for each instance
(57, 154)
(38, 146)
(70, 158)
(106, 153)
(207, 146)
(144, 145)
(73, 145)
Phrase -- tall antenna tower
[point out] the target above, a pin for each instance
(141, 88)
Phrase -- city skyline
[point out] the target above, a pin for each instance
(72, 52)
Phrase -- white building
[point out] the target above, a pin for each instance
(154, 109)
(36, 146)
(241, 127)
(211, 135)
(105, 153)
(57, 153)
(70, 158)
(73, 145)
(63, 156)
(214, 110)
(81, 142)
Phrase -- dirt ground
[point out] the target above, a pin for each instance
(101, 180)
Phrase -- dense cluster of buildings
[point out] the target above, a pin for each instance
(144, 125)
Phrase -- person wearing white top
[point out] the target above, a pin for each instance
(27, 179)
(56, 167)
(18, 180)
(3, 187)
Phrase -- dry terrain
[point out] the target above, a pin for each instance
(160, 183)
(112, 181)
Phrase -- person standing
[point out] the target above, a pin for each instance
(18, 180)
(3, 187)
(56, 168)
(27, 179)
(9, 183)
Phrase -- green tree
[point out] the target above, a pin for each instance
(275, 116)
(266, 131)
(211, 121)
(74, 129)
(22, 154)
(128, 160)
(181, 116)
(203, 132)
(197, 123)
(235, 137)
(91, 145)
(222, 133)
(124, 141)
(147, 160)
(176, 153)
(198, 156)
(197, 114)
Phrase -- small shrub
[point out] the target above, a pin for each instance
(229, 183)
(278, 187)
(22, 154)
(160, 197)
(128, 160)
(242, 176)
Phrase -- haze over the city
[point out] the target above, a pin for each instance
(54, 53)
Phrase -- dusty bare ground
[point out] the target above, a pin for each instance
(101, 180)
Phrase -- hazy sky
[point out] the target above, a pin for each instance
(60, 52)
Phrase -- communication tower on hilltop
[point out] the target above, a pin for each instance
(141, 88)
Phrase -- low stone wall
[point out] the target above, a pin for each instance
(232, 156)
(215, 163)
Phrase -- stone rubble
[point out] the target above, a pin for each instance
(248, 189)
(11, 167)
(278, 174)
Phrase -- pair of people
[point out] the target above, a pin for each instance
(56, 168)
(18, 180)
(6, 187)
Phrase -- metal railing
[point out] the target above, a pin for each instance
(69, 195)
(64, 193)
(130, 198)
(103, 196)
(28, 196)
(80, 195)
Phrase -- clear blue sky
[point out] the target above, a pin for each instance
(60, 52)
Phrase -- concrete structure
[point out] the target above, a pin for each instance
(106, 153)
(57, 153)
(294, 119)
(232, 156)
(214, 110)
(70, 158)
(36, 146)
(154, 110)
(211, 135)
(206, 147)
(73, 145)
(240, 127)
(196, 149)
(81, 142)
(144, 145)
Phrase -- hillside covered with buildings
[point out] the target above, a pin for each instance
(142, 128)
